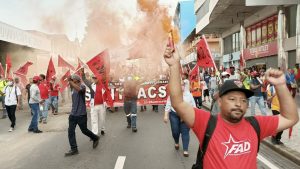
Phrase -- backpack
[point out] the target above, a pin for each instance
(211, 125)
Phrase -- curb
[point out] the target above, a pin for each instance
(284, 151)
(280, 149)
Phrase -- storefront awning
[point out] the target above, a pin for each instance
(226, 14)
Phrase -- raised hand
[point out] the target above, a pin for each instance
(275, 77)
(169, 57)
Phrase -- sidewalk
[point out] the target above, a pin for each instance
(291, 147)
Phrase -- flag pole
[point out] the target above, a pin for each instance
(209, 52)
(5, 73)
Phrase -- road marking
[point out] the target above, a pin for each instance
(120, 162)
(267, 162)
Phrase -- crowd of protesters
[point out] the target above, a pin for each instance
(205, 88)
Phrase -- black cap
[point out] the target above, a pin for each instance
(234, 85)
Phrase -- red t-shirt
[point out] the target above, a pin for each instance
(44, 90)
(98, 98)
(232, 146)
(54, 91)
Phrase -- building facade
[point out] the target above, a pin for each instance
(265, 36)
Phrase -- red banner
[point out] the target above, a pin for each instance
(64, 81)
(204, 58)
(150, 93)
(260, 51)
(63, 63)
(100, 65)
(23, 70)
(8, 65)
(194, 73)
(50, 71)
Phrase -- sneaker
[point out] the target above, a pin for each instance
(273, 140)
(128, 126)
(37, 131)
(102, 132)
(278, 142)
(134, 129)
(11, 129)
(96, 142)
(71, 152)
(30, 130)
(185, 153)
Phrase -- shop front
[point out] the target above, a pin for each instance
(262, 56)
(232, 59)
(261, 42)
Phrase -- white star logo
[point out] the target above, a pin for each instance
(236, 147)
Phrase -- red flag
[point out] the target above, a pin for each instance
(50, 71)
(63, 63)
(204, 58)
(194, 73)
(23, 69)
(2, 73)
(64, 81)
(8, 65)
(100, 66)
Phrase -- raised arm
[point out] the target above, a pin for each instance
(183, 109)
(288, 108)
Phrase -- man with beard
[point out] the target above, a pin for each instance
(234, 141)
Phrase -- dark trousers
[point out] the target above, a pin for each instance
(82, 123)
(11, 112)
(198, 101)
(155, 108)
(278, 135)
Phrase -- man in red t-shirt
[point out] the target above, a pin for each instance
(53, 100)
(44, 90)
(234, 142)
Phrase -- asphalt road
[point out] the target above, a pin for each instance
(150, 148)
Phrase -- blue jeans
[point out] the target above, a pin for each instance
(130, 108)
(178, 127)
(260, 101)
(44, 113)
(54, 102)
(35, 108)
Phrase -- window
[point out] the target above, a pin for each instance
(291, 20)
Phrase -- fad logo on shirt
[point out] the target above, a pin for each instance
(236, 148)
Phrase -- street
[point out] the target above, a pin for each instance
(150, 148)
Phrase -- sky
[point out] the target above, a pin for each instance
(36, 15)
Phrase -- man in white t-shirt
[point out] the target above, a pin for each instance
(12, 96)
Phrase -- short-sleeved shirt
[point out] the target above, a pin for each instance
(44, 90)
(232, 146)
(206, 78)
(257, 91)
(78, 102)
(54, 88)
(11, 95)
